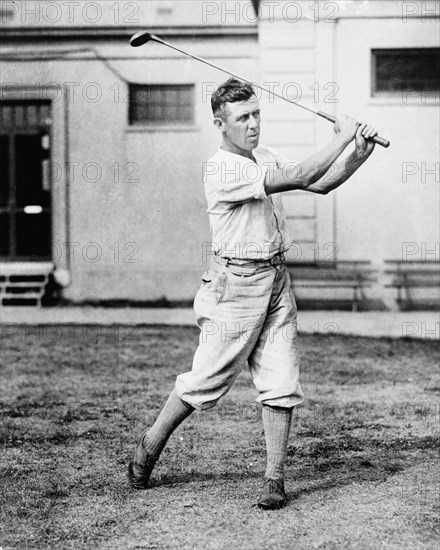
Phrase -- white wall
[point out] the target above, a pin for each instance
(384, 207)
(377, 211)
(147, 235)
(163, 213)
(125, 13)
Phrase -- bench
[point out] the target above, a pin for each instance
(323, 284)
(417, 283)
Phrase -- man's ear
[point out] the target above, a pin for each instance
(219, 123)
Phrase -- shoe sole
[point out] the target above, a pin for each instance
(278, 506)
(135, 482)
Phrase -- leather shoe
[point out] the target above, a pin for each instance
(140, 468)
(272, 496)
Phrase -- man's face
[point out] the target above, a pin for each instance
(241, 124)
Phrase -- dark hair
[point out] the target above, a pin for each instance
(231, 91)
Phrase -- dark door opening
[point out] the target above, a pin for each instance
(25, 194)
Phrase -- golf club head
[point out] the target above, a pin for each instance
(141, 38)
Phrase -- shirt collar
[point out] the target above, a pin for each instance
(255, 154)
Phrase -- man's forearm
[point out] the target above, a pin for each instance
(304, 175)
(340, 174)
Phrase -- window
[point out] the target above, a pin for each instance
(406, 70)
(161, 104)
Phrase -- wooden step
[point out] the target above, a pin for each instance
(23, 283)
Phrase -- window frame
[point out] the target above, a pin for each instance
(392, 94)
(162, 123)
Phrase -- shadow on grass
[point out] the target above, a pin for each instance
(332, 462)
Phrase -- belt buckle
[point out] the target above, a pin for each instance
(277, 259)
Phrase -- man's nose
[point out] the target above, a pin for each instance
(253, 122)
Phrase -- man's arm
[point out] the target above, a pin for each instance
(344, 169)
(304, 175)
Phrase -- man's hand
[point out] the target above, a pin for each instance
(346, 127)
(364, 145)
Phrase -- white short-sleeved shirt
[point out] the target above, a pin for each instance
(245, 222)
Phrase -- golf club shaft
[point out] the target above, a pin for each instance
(232, 74)
(379, 140)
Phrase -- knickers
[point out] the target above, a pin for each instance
(246, 313)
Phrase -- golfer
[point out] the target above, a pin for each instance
(245, 308)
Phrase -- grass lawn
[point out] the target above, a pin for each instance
(362, 469)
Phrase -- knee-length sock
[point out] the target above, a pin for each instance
(276, 423)
(172, 415)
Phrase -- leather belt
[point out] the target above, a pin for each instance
(275, 260)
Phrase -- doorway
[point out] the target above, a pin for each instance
(25, 190)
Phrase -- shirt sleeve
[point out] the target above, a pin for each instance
(280, 159)
(235, 181)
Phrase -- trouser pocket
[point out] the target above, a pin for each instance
(214, 284)
(241, 271)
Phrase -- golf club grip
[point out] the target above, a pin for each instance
(379, 140)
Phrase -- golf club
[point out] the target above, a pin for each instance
(142, 37)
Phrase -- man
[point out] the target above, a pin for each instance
(245, 308)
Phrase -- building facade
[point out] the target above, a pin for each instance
(102, 145)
